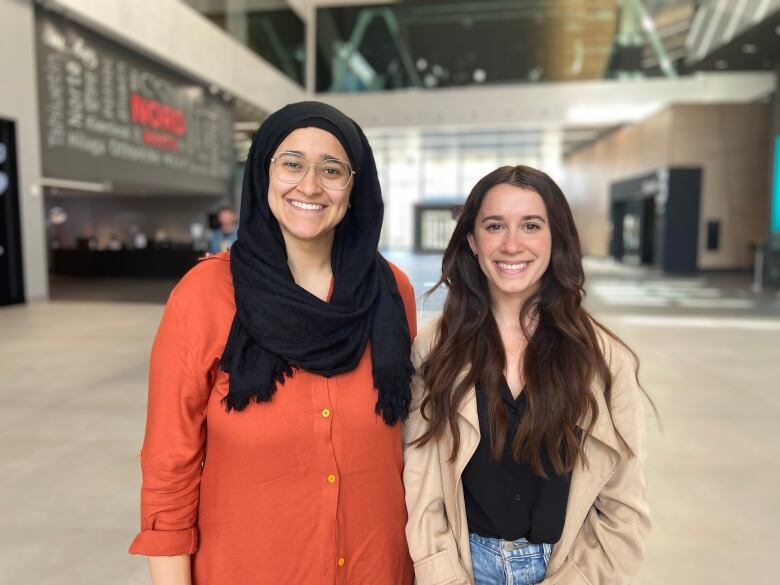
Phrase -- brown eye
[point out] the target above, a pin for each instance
(332, 171)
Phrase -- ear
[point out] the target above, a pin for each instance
(472, 243)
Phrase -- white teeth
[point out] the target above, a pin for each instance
(506, 266)
(309, 206)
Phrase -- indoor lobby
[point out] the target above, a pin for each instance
(659, 119)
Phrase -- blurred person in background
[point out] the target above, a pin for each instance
(525, 444)
(279, 376)
(226, 232)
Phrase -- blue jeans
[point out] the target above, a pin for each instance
(504, 562)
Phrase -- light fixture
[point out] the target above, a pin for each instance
(479, 75)
(57, 216)
(721, 64)
(749, 48)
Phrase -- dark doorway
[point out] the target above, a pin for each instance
(11, 278)
(655, 219)
(633, 231)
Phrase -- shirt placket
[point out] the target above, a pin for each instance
(329, 472)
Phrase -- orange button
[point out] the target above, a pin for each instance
(341, 561)
(325, 412)
(331, 478)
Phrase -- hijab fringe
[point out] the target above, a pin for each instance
(395, 393)
(261, 391)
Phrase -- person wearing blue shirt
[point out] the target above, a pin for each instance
(227, 232)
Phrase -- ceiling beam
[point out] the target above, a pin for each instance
(547, 105)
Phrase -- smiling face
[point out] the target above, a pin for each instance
(512, 240)
(307, 211)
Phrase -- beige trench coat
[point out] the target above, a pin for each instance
(607, 515)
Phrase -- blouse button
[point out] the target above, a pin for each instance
(518, 497)
(325, 412)
(341, 561)
(331, 478)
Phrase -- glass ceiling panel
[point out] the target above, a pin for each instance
(269, 27)
(436, 43)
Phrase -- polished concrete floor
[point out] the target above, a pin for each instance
(72, 385)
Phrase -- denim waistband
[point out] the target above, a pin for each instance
(519, 548)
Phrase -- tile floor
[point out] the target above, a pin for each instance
(72, 382)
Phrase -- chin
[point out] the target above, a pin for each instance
(515, 289)
(306, 232)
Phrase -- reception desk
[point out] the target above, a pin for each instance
(148, 263)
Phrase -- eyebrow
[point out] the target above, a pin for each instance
(325, 156)
(524, 218)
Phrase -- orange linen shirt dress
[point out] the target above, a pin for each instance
(305, 489)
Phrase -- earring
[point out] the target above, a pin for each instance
(349, 205)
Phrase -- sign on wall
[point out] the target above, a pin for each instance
(11, 273)
(111, 115)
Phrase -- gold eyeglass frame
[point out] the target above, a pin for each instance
(309, 165)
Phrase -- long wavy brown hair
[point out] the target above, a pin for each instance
(562, 358)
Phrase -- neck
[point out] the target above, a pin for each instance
(309, 259)
(506, 312)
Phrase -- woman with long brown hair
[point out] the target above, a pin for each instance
(525, 444)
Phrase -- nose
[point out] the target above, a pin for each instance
(310, 184)
(511, 243)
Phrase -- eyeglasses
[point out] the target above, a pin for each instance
(332, 173)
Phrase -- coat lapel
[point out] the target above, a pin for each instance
(603, 453)
(468, 425)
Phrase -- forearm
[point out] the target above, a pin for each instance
(170, 570)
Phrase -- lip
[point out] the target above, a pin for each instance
(512, 268)
(292, 203)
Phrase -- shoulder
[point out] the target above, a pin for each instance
(424, 341)
(404, 284)
(206, 288)
(625, 393)
(616, 353)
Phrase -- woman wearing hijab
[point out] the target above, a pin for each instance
(279, 377)
(525, 452)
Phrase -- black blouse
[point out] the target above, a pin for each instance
(506, 499)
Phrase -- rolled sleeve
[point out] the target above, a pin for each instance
(174, 441)
(165, 543)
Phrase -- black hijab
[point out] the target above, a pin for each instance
(278, 325)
